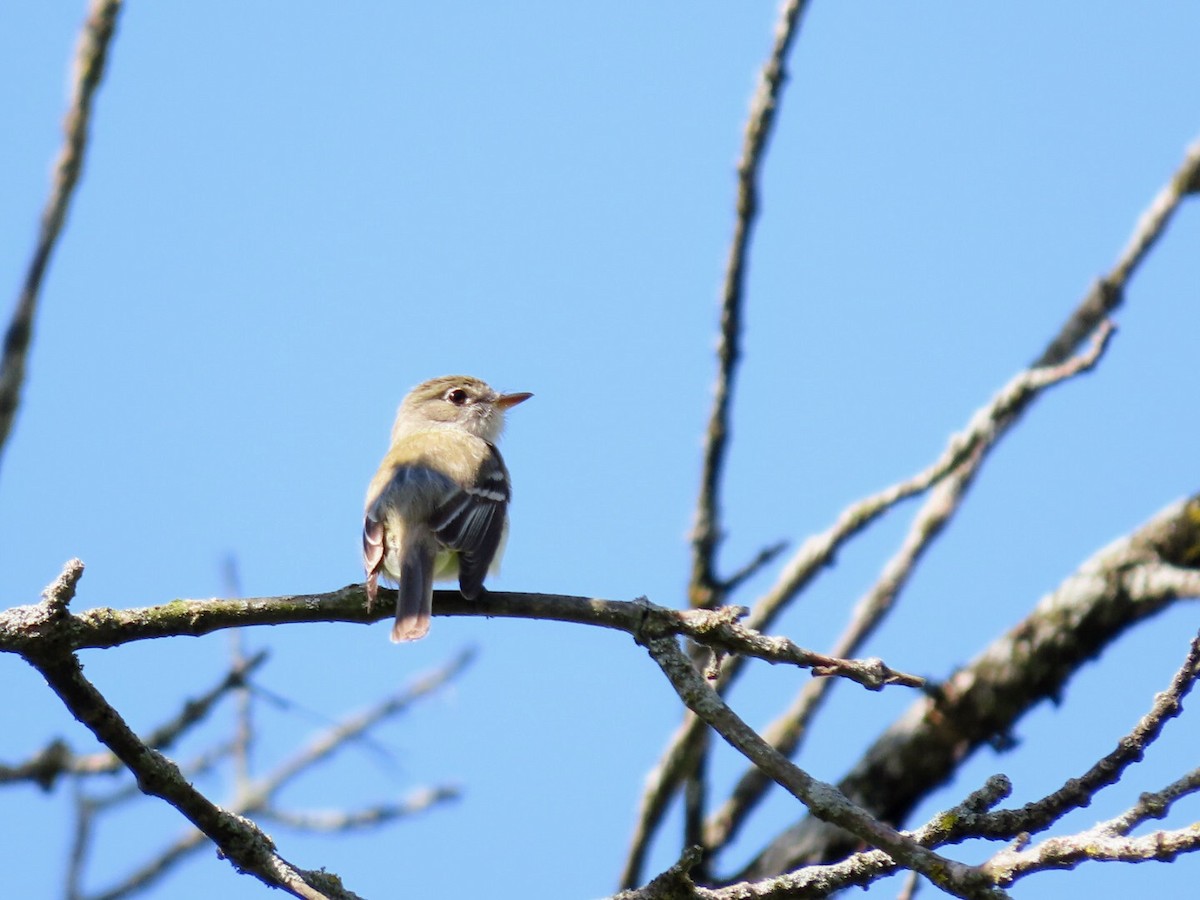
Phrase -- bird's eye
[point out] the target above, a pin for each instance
(457, 396)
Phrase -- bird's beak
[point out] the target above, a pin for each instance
(504, 401)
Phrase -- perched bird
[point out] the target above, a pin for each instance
(438, 506)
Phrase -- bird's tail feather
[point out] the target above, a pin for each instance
(414, 598)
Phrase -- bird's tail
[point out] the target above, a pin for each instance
(414, 598)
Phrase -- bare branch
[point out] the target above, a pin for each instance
(90, 59)
(88, 812)
(975, 816)
(1107, 595)
(1153, 806)
(984, 430)
(351, 727)
(820, 550)
(260, 798)
(706, 590)
(242, 842)
(981, 433)
(201, 764)
(753, 567)
(705, 587)
(372, 817)
(911, 884)
(81, 843)
(1109, 292)
(244, 734)
(1107, 842)
(816, 881)
(57, 758)
(966, 448)
(147, 875)
(1079, 792)
(105, 627)
(823, 800)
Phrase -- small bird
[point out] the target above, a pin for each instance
(438, 506)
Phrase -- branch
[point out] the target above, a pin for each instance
(337, 821)
(1078, 793)
(823, 800)
(260, 798)
(1108, 841)
(20, 631)
(90, 59)
(1068, 852)
(981, 433)
(1123, 584)
(975, 818)
(353, 727)
(858, 870)
(1109, 292)
(966, 449)
(57, 759)
(242, 842)
(90, 808)
(705, 588)
(819, 551)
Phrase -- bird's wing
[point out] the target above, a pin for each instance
(372, 543)
(471, 522)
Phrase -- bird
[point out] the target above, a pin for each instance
(437, 507)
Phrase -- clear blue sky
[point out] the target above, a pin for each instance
(291, 214)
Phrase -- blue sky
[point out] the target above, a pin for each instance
(288, 217)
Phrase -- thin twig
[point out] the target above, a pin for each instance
(57, 759)
(90, 59)
(911, 884)
(346, 731)
(753, 567)
(982, 433)
(338, 821)
(706, 533)
(81, 841)
(243, 739)
(1109, 292)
